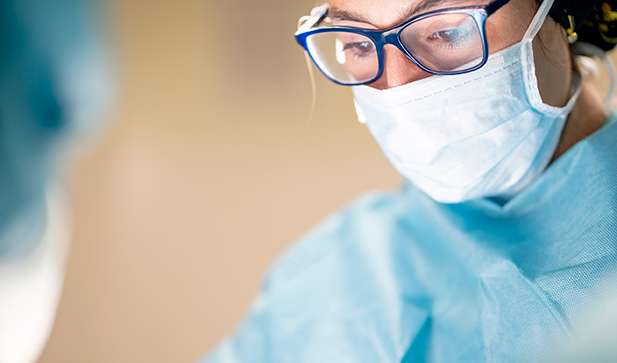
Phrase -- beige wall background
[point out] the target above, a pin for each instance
(208, 171)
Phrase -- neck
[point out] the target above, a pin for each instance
(586, 117)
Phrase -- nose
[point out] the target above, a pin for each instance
(398, 70)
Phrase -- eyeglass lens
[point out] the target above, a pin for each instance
(443, 42)
(344, 56)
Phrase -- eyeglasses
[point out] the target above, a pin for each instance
(442, 42)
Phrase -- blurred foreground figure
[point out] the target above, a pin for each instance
(54, 87)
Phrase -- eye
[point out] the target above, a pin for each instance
(450, 31)
(360, 48)
(449, 35)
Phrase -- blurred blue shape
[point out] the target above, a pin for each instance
(55, 86)
(398, 277)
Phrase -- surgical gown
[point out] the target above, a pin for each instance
(398, 277)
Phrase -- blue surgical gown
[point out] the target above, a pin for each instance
(398, 277)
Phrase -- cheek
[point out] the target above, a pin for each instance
(508, 25)
(553, 64)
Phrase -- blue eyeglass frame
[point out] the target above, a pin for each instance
(392, 36)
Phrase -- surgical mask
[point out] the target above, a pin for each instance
(481, 134)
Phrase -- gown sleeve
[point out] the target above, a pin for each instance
(249, 342)
(312, 297)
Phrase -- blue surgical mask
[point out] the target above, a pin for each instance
(481, 134)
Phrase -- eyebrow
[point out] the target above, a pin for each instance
(424, 5)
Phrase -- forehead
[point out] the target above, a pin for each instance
(388, 13)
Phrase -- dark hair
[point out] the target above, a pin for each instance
(593, 20)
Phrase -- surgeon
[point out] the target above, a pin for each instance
(503, 242)
(55, 91)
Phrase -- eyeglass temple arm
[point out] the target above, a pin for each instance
(317, 15)
(495, 5)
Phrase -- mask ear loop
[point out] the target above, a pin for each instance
(538, 20)
(590, 50)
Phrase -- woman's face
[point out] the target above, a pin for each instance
(504, 28)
